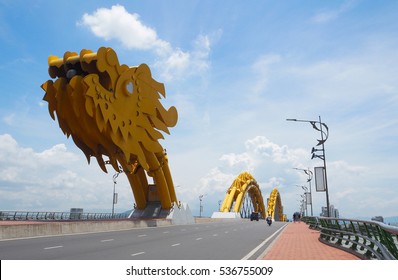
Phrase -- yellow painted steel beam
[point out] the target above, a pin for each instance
(113, 110)
(274, 208)
(244, 184)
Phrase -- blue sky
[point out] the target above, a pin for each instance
(235, 70)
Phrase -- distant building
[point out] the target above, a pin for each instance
(75, 213)
(378, 219)
(334, 212)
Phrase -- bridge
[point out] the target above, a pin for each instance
(206, 239)
(244, 196)
(354, 239)
(112, 110)
(105, 236)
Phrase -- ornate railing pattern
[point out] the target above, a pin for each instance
(27, 215)
(366, 239)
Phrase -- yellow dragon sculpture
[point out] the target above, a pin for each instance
(114, 110)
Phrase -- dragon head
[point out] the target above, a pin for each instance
(109, 109)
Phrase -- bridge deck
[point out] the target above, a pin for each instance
(298, 242)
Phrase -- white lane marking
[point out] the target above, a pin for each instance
(177, 244)
(262, 244)
(142, 235)
(215, 234)
(166, 231)
(136, 254)
(80, 233)
(199, 238)
(107, 240)
(54, 247)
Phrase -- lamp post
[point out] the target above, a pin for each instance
(304, 197)
(310, 176)
(200, 204)
(114, 195)
(114, 200)
(304, 204)
(321, 142)
(301, 207)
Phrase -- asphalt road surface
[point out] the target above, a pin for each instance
(208, 241)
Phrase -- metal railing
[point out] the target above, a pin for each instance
(57, 216)
(366, 239)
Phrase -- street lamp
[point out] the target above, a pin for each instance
(324, 130)
(114, 196)
(304, 205)
(200, 204)
(114, 200)
(310, 175)
(302, 202)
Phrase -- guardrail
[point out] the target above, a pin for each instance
(58, 216)
(366, 239)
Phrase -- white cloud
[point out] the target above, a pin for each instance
(12, 155)
(344, 167)
(243, 161)
(178, 64)
(260, 154)
(52, 155)
(261, 69)
(216, 181)
(117, 23)
(54, 180)
(272, 164)
(263, 147)
(332, 14)
(261, 151)
(10, 119)
(269, 163)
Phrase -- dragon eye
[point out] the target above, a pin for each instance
(129, 87)
(71, 73)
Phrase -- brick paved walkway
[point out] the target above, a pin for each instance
(298, 242)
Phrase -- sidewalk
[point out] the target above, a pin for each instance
(298, 242)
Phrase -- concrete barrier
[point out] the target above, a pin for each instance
(13, 230)
(26, 229)
(226, 215)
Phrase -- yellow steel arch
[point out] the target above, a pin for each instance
(274, 208)
(244, 184)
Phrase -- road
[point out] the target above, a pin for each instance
(208, 241)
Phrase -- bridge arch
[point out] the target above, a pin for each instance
(274, 207)
(244, 190)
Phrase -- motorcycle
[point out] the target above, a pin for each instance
(269, 221)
